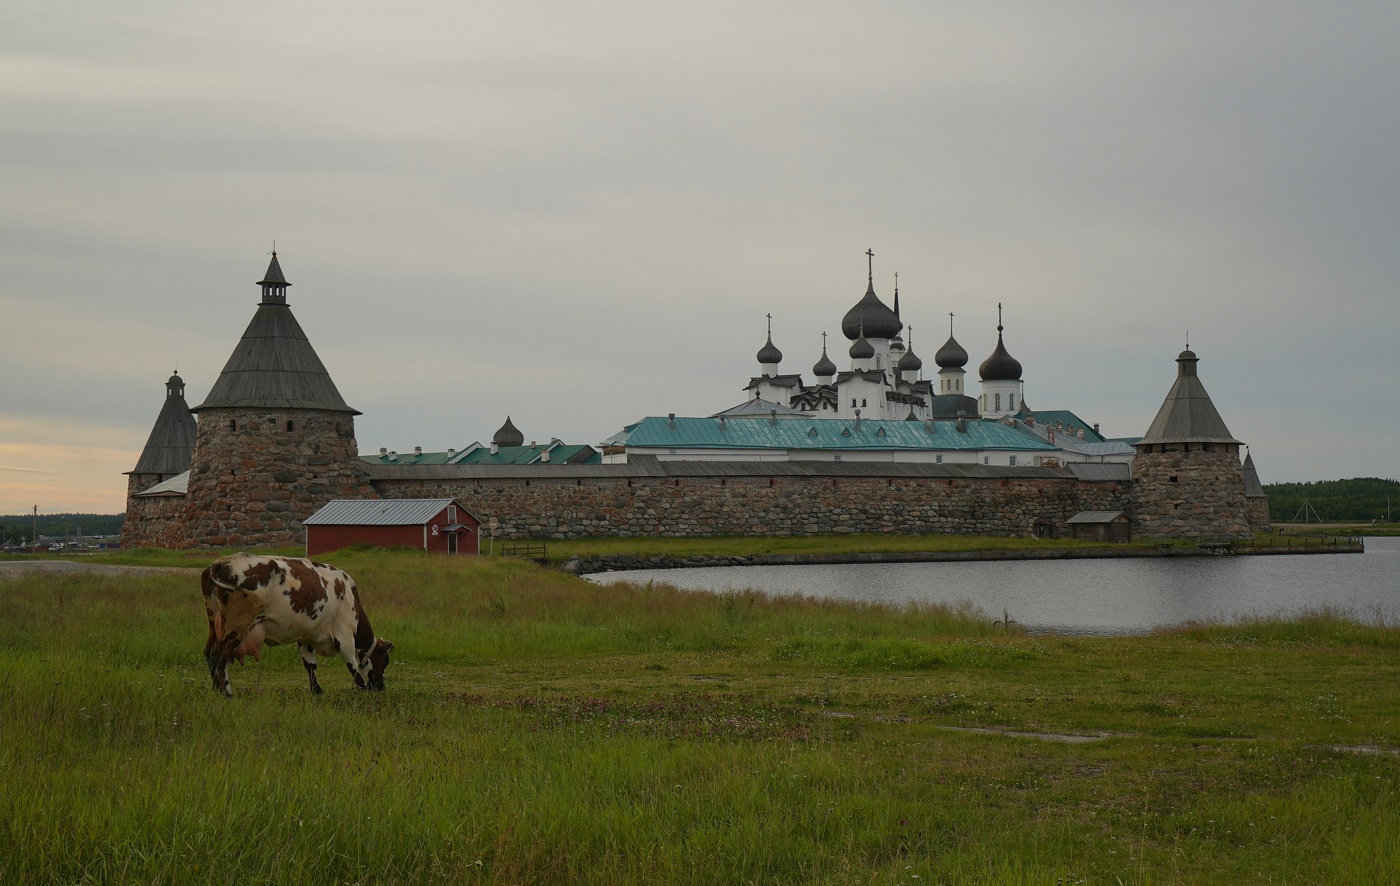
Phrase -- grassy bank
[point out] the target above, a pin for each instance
(540, 728)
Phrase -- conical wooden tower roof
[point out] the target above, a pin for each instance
(1187, 415)
(274, 365)
(171, 443)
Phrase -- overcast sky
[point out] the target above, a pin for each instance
(578, 214)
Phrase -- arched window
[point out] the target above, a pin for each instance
(1012, 404)
(232, 424)
(998, 402)
(862, 401)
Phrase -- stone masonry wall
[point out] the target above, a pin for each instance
(253, 483)
(569, 508)
(155, 522)
(1259, 519)
(1193, 494)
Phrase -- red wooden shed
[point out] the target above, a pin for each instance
(441, 525)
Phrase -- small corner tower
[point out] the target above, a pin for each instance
(1002, 388)
(1255, 498)
(1187, 477)
(171, 443)
(276, 440)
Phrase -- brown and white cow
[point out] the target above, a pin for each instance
(252, 599)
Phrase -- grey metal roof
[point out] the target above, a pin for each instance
(1095, 517)
(871, 314)
(642, 466)
(769, 353)
(177, 485)
(824, 366)
(862, 349)
(761, 407)
(1000, 366)
(1252, 487)
(1101, 471)
(378, 512)
(951, 355)
(171, 443)
(508, 435)
(274, 367)
(777, 381)
(1187, 415)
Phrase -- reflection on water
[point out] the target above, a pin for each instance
(1088, 596)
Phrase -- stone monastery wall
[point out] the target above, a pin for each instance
(700, 506)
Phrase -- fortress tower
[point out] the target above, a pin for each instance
(166, 455)
(1187, 477)
(276, 440)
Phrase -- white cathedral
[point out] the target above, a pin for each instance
(883, 379)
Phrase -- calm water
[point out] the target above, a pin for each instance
(1088, 596)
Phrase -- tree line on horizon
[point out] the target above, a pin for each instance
(1360, 499)
(19, 528)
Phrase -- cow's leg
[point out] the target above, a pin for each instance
(345, 645)
(218, 662)
(308, 658)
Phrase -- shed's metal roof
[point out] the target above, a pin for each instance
(171, 443)
(274, 367)
(378, 512)
(822, 434)
(1095, 517)
(1187, 415)
(176, 485)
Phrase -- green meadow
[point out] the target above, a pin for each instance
(539, 728)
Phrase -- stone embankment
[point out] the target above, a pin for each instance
(629, 562)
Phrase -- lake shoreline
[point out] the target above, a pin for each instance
(628, 562)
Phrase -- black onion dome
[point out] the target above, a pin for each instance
(951, 355)
(910, 362)
(879, 321)
(862, 349)
(769, 353)
(824, 366)
(508, 435)
(1001, 366)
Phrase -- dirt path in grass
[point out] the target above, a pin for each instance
(16, 568)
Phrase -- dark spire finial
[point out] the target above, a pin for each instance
(896, 293)
(870, 272)
(999, 327)
(950, 324)
(770, 325)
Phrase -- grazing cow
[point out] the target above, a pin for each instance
(252, 600)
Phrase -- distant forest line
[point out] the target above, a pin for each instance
(20, 527)
(1362, 499)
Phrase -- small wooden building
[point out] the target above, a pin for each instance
(440, 525)
(1101, 526)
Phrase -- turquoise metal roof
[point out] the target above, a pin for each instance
(508, 455)
(1065, 418)
(825, 433)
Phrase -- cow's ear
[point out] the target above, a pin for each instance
(383, 645)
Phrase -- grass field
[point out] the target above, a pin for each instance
(538, 728)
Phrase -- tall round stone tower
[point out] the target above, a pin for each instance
(1187, 477)
(276, 440)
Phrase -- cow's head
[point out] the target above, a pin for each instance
(378, 661)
